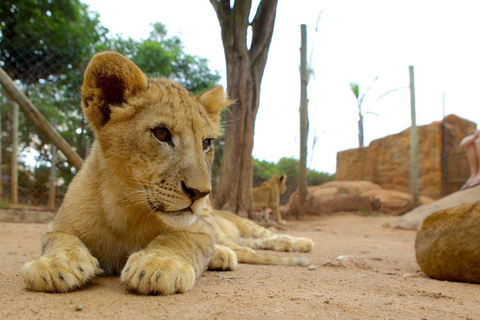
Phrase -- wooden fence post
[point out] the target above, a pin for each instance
(39, 120)
(51, 191)
(413, 143)
(14, 166)
(302, 169)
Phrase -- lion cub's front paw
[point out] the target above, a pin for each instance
(303, 244)
(60, 271)
(147, 273)
(224, 259)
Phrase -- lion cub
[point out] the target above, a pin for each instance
(139, 206)
(268, 196)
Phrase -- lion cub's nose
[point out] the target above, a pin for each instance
(193, 193)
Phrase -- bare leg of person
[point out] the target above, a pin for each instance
(469, 143)
(475, 173)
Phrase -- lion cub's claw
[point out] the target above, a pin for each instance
(147, 273)
(224, 259)
(60, 272)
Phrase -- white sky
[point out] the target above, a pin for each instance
(355, 42)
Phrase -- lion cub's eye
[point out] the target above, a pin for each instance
(207, 144)
(162, 134)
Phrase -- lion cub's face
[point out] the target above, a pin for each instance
(156, 138)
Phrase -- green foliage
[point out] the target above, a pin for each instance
(263, 170)
(355, 89)
(41, 39)
(163, 56)
(46, 45)
(154, 59)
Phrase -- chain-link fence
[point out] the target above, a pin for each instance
(50, 76)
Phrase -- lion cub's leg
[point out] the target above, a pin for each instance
(278, 215)
(170, 263)
(266, 215)
(65, 265)
(278, 242)
(257, 237)
(224, 259)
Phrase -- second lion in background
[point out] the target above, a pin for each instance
(268, 196)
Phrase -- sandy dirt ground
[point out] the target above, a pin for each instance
(387, 286)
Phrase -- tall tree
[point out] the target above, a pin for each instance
(245, 67)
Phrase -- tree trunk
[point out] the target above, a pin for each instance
(245, 69)
(302, 169)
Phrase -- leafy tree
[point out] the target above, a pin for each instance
(245, 67)
(46, 45)
(41, 39)
(163, 56)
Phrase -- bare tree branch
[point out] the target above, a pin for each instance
(262, 28)
(390, 91)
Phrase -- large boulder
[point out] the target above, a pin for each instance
(395, 202)
(448, 244)
(414, 219)
(336, 196)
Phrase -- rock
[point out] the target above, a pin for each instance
(79, 307)
(448, 244)
(321, 205)
(350, 261)
(357, 187)
(394, 202)
(386, 161)
(337, 196)
(414, 219)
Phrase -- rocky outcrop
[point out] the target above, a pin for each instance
(414, 219)
(339, 196)
(442, 164)
(448, 244)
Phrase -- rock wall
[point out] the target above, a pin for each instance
(386, 161)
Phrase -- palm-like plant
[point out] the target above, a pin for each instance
(359, 97)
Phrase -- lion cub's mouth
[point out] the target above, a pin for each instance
(160, 208)
(176, 219)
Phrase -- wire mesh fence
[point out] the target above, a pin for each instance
(50, 77)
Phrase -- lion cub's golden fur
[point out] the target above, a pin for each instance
(242, 235)
(268, 196)
(139, 207)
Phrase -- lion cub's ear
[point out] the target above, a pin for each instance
(214, 100)
(110, 79)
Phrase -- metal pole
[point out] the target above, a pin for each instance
(413, 143)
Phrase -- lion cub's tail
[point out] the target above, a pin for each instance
(258, 258)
